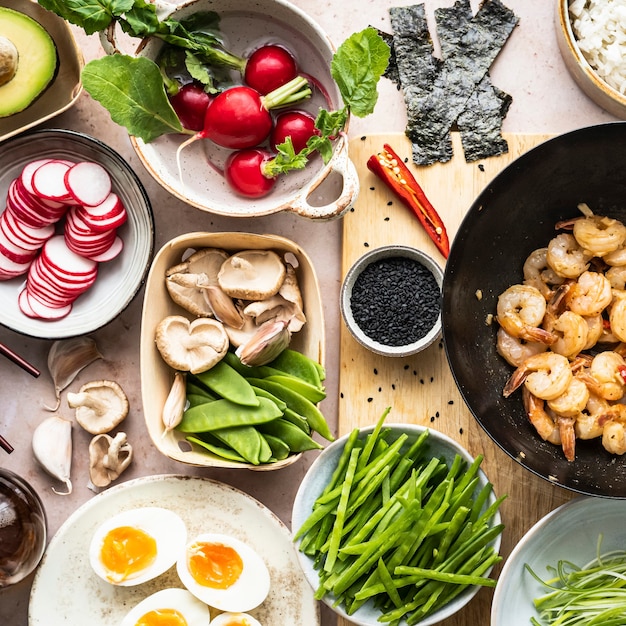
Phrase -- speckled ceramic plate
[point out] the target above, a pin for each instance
(66, 589)
(64, 89)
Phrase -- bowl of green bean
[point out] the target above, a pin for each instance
(396, 523)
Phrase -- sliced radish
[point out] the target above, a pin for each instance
(26, 211)
(49, 181)
(114, 250)
(14, 252)
(102, 224)
(26, 233)
(24, 305)
(26, 175)
(10, 229)
(88, 183)
(47, 311)
(40, 273)
(48, 207)
(58, 255)
(110, 207)
(10, 268)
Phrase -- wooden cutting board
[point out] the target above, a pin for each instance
(421, 389)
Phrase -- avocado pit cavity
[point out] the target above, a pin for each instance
(9, 58)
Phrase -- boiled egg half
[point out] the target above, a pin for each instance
(235, 619)
(137, 545)
(224, 572)
(169, 607)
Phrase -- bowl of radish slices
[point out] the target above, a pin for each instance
(238, 126)
(76, 234)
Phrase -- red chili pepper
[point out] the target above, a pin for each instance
(390, 168)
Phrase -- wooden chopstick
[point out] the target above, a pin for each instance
(18, 360)
(5, 445)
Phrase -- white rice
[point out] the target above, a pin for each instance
(600, 29)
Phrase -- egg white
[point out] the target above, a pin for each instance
(195, 612)
(235, 619)
(165, 526)
(250, 589)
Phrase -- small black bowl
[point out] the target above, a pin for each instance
(515, 214)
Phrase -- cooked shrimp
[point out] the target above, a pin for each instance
(573, 400)
(566, 257)
(617, 315)
(544, 424)
(605, 376)
(520, 311)
(571, 331)
(546, 375)
(613, 424)
(595, 328)
(599, 235)
(588, 424)
(590, 294)
(539, 274)
(617, 257)
(617, 276)
(515, 350)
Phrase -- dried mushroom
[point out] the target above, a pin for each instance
(191, 346)
(100, 406)
(252, 274)
(185, 280)
(285, 306)
(108, 458)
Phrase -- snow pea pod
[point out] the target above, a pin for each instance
(228, 383)
(280, 450)
(195, 399)
(262, 393)
(294, 437)
(223, 413)
(207, 442)
(299, 404)
(309, 391)
(299, 365)
(246, 441)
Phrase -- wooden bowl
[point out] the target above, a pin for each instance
(583, 73)
(157, 376)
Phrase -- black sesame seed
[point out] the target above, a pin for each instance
(395, 301)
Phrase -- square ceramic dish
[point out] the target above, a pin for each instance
(157, 376)
(64, 89)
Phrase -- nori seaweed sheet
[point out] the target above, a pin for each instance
(480, 122)
(439, 93)
(391, 72)
(418, 69)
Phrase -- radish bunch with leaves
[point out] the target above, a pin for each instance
(141, 96)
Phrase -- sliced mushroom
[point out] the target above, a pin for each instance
(185, 280)
(252, 274)
(191, 346)
(100, 405)
(108, 458)
(239, 336)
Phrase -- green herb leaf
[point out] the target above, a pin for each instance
(357, 66)
(131, 89)
(91, 15)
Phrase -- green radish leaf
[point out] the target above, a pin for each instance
(131, 89)
(357, 67)
(91, 15)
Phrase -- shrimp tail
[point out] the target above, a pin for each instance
(533, 333)
(568, 436)
(515, 381)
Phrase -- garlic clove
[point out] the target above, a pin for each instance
(52, 447)
(268, 342)
(66, 358)
(175, 402)
(222, 306)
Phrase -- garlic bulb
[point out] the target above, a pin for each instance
(52, 447)
(66, 358)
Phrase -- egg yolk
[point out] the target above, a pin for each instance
(214, 564)
(127, 550)
(162, 617)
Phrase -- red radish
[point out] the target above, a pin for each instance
(49, 181)
(239, 117)
(190, 104)
(14, 251)
(243, 172)
(56, 253)
(111, 207)
(101, 224)
(40, 309)
(269, 67)
(88, 183)
(11, 269)
(113, 250)
(28, 212)
(299, 125)
(30, 237)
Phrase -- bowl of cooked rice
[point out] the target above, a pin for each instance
(592, 41)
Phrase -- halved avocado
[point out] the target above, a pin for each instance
(36, 60)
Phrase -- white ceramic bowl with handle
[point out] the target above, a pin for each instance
(319, 191)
